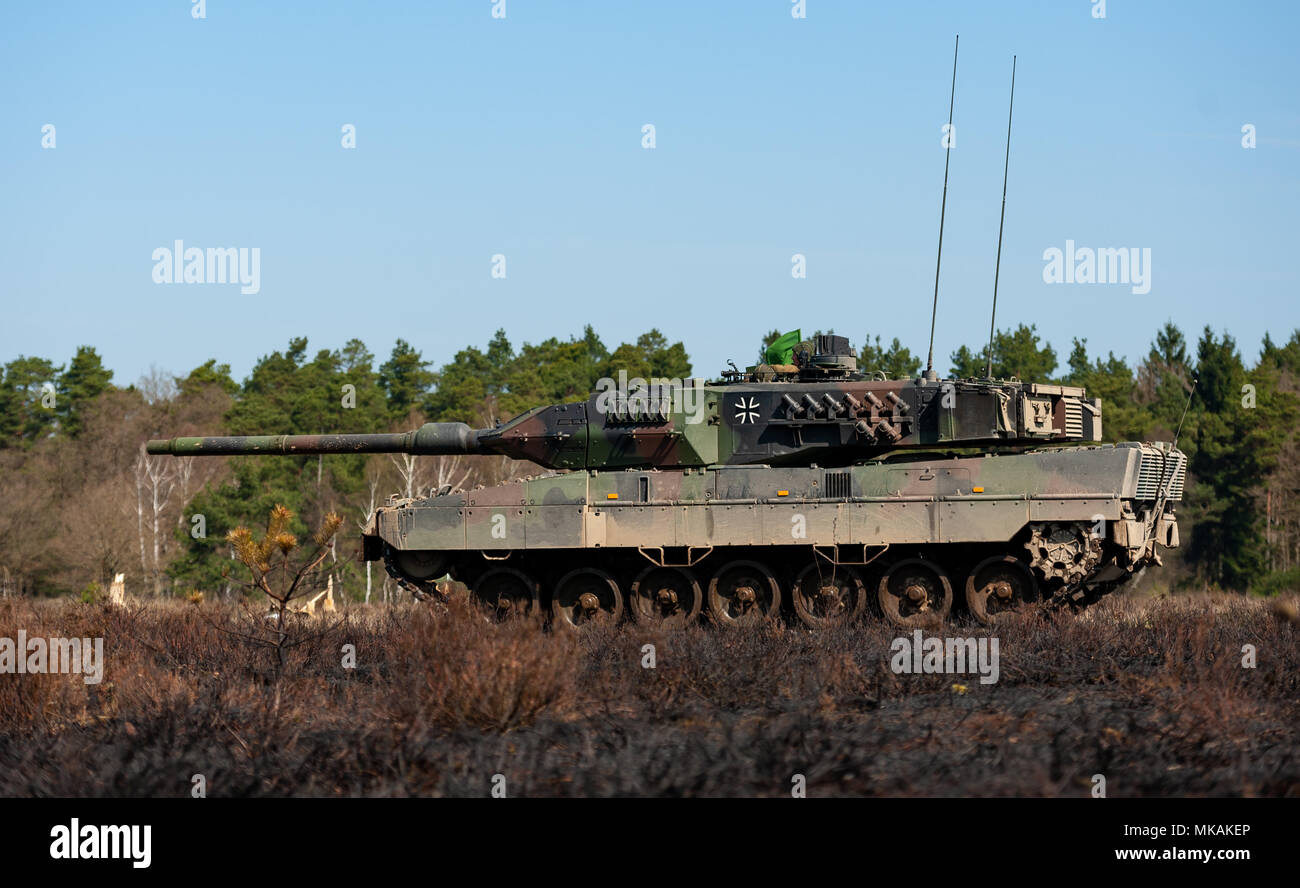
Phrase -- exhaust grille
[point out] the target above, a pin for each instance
(1155, 464)
(1073, 417)
(838, 484)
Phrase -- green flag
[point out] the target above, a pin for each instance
(781, 351)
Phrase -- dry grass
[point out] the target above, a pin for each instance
(1151, 694)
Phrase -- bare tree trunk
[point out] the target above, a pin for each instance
(406, 468)
(139, 515)
(160, 479)
(365, 522)
(157, 573)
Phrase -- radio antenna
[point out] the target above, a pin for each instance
(943, 206)
(1006, 166)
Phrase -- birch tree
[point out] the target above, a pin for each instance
(155, 481)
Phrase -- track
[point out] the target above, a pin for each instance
(1053, 565)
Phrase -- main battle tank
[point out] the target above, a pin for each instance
(813, 488)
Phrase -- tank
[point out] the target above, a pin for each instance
(811, 490)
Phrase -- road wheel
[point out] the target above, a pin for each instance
(584, 597)
(504, 593)
(667, 596)
(826, 595)
(915, 593)
(999, 587)
(743, 592)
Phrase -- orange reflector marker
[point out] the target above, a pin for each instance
(977, 489)
(783, 493)
(611, 496)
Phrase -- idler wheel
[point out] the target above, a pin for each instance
(827, 595)
(420, 564)
(915, 594)
(584, 597)
(743, 592)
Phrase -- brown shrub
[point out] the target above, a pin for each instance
(1153, 694)
(464, 672)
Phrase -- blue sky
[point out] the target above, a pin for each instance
(774, 136)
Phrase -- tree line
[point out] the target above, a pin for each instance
(80, 501)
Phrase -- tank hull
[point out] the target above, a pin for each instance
(945, 500)
(1078, 519)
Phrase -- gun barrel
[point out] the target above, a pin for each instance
(434, 438)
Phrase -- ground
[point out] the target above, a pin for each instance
(1151, 694)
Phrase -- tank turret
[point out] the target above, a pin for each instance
(824, 412)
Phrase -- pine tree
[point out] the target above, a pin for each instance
(1241, 425)
(1015, 353)
(83, 381)
(405, 379)
(30, 398)
(209, 373)
(895, 361)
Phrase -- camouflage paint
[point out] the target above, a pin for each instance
(831, 421)
(883, 502)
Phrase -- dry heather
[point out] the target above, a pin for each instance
(1152, 695)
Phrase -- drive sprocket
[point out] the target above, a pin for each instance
(1068, 552)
